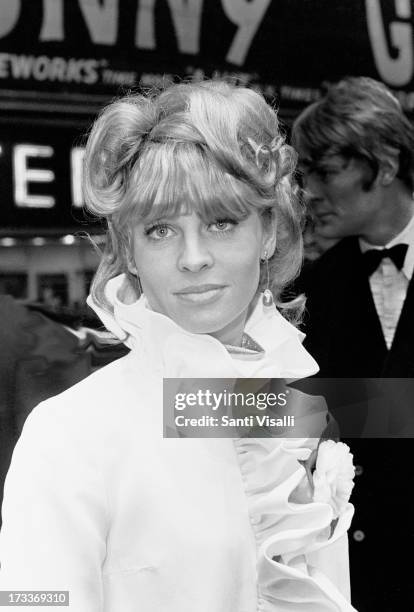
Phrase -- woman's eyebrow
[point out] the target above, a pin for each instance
(158, 219)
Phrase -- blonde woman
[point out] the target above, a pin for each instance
(195, 183)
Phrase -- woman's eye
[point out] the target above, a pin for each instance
(223, 225)
(158, 232)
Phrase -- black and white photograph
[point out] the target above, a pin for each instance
(207, 305)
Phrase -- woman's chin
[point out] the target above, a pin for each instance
(212, 327)
(226, 329)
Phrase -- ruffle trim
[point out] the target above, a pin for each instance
(289, 526)
(167, 346)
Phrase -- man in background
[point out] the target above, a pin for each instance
(356, 155)
(356, 152)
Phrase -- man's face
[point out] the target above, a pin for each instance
(335, 191)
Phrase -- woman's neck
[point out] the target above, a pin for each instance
(232, 334)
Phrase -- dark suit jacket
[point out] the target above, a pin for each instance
(344, 335)
(343, 329)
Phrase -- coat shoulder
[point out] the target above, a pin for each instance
(339, 255)
(112, 395)
(333, 264)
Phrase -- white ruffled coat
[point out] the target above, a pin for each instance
(97, 502)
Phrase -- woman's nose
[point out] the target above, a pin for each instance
(195, 255)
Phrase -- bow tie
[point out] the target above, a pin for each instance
(373, 257)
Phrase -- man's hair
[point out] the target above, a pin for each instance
(358, 118)
(209, 147)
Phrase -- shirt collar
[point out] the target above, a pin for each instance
(406, 236)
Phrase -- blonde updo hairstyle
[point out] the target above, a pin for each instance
(210, 146)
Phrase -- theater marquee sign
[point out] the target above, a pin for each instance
(287, 48)
(41, 181)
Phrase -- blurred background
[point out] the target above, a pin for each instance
(60, 62)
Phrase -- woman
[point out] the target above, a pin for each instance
(196, 186)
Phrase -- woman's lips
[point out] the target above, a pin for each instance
(200, 295)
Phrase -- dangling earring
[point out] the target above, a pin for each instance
(267, 294)
(134, 273)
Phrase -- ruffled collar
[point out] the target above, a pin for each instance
(178, 353)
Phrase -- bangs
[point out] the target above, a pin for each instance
(173, 178)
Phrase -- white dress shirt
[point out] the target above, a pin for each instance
(388, 284)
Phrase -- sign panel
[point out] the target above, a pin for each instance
(40, 181)
(286, 48)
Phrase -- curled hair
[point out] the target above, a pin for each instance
(212, 147)
(358, 118)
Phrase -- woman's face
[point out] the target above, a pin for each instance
(202, 276)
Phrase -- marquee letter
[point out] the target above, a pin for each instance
(144, 32)
(247, 15)
(396, 71)
(101, 19)
(52, 26)
(9, 14)
(77, 155)
(186, 15)
(23, 175)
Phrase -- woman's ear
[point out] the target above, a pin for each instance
(269, 235)
(132, 269)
